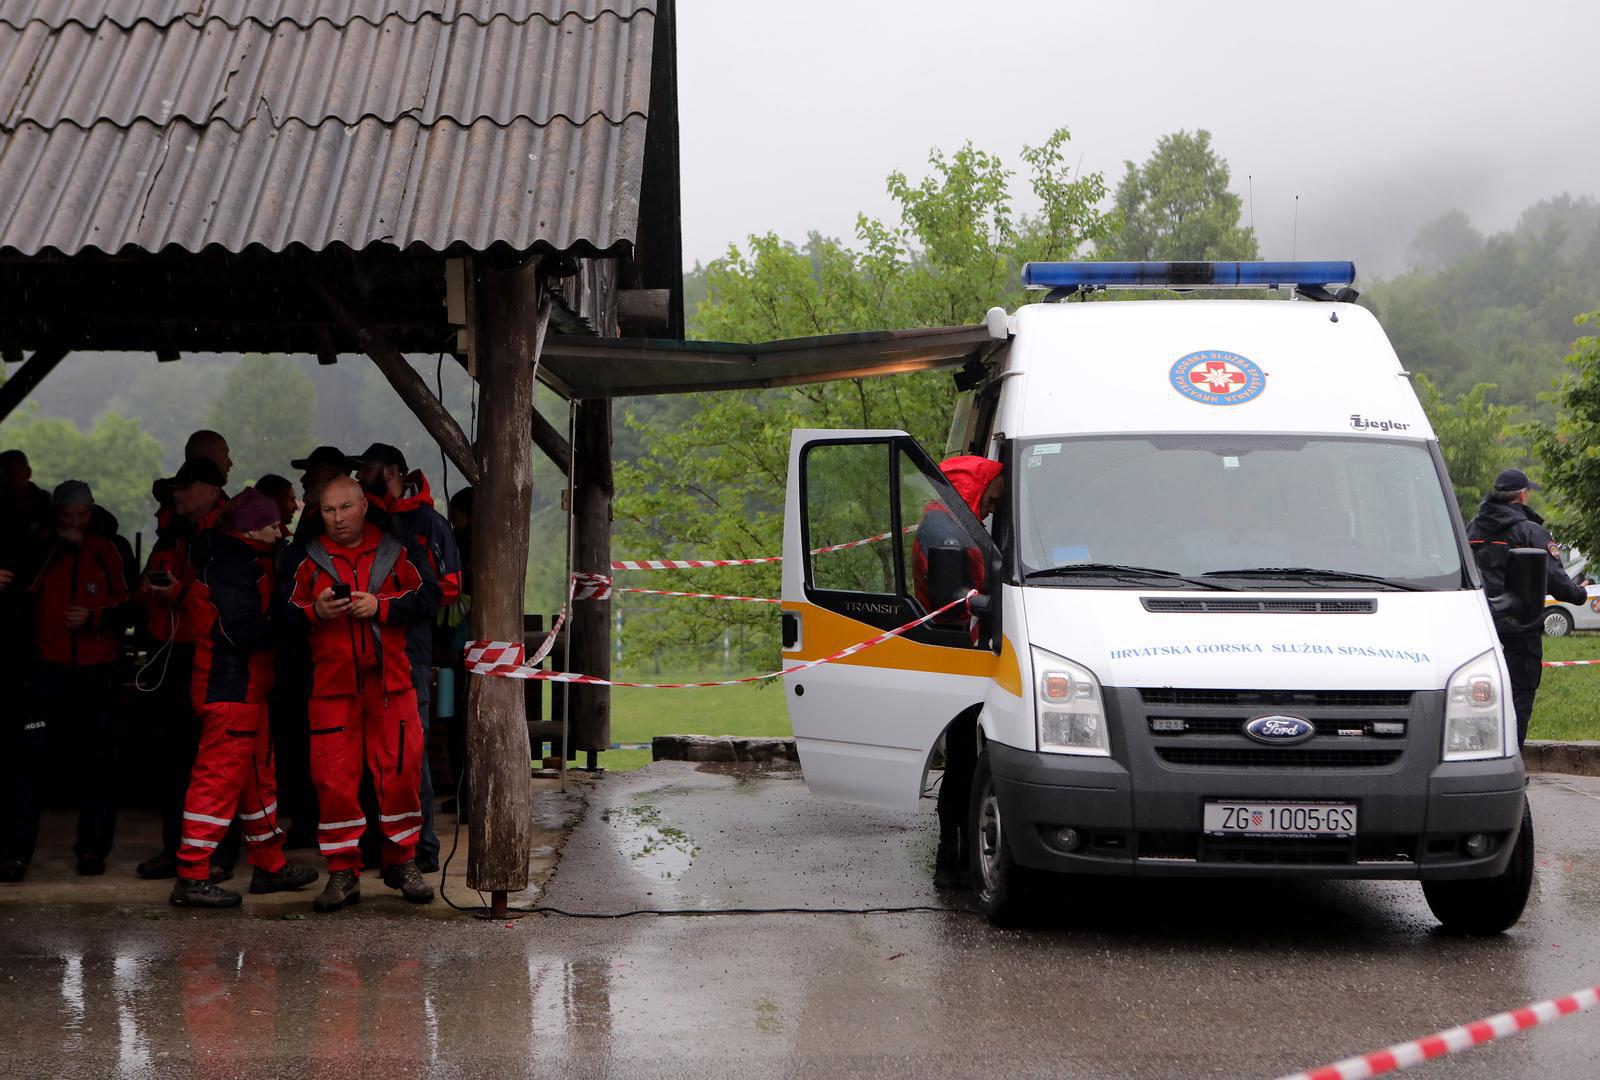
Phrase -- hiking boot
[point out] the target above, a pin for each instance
(408, 879)
(342, 890)
(13, 870)
(949, 863)
(163, 865)
(284, 879)
(91, 865)
(428, 864)
(187, 892)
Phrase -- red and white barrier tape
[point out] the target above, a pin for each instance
(1572, 663)
(702, 596)
(505, 659)
(699, 564)
(590, 586)
(1407, 1054)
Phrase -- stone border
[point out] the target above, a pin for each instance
(1580, 758)
(722, 748)
(1539, 755)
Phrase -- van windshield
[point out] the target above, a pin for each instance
(1235, 511)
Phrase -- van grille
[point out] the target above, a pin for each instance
(1170, 605)
(1234, 725)
(1278, 699)
(1270, 758)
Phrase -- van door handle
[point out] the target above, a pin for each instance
(791, 629)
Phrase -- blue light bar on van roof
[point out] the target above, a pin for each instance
(1184, 275)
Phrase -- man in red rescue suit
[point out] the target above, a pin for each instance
(979, 483)
(358, 590)
(230, 602)
(196, 502)
(404, 495)
(79, 594)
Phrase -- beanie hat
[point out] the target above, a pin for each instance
(249, 511)
(69, 492)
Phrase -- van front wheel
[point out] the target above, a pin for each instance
(1486, 906)
(998, 883)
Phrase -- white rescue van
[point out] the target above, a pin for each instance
(1232, 625)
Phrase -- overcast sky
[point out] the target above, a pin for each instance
(1379, 116)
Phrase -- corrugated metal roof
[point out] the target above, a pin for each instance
(500, 70)
(109, 188)
(125, 13)
(269, 123)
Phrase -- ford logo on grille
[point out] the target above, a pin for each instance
(1280, 730)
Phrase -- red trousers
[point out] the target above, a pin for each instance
(232, 775)
(383, 732)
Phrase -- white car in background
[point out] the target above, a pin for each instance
(1561, 619)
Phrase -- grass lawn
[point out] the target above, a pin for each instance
(636, 715)
(1568, 705)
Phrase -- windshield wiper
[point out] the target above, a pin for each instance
(1312, 572)
(1118, 570)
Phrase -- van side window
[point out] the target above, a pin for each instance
(847, 499)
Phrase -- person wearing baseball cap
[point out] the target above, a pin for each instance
(404, 495)
(196, 502)
(1504, 522)
(230, 603)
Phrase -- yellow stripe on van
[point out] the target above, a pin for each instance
(824, 632)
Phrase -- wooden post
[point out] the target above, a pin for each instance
(16, 389)
(509, 317)
(591, 620)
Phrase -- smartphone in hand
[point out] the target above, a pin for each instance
(341, 591)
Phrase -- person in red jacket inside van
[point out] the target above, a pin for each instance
(230, 604)
(79, 595)
(358, 591)
(979, 483)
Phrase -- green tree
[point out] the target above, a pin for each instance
(712, 480)
(1476, 437)
(115, 457)
(265, 410)
(1569, 447)
(1177, 206)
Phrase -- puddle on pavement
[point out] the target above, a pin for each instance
(653, 846)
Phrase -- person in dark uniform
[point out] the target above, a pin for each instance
(979, 483)
(1506, 521)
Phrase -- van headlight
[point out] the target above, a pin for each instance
(1474, 711)
(1070, 708)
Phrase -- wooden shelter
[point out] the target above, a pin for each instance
(494, 178)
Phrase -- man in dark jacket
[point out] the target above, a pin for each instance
(25, 518)
(230, 606)
(79, 594)
(404, 495)
(979, 483)
(1506, 521)
(357, 591)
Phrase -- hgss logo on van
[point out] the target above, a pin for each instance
(1218, 377)
(1280, 730)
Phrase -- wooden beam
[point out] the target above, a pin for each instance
(435, 418)
(644, 312)
(31, 374)
(591, 620)
(509, 313)
(552, 442)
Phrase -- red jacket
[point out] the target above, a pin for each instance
(970, 476)
(346, 652)
(86, 574)
(173, 620)
(229, 604)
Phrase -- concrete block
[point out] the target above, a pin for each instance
(722, 748)
(1577, 757)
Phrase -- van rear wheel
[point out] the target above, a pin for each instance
(998, 883)
(1486, 906)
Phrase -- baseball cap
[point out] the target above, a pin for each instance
(382, 454)
(198, 471)
(331, 456)
(69, 492)
(1514, 480)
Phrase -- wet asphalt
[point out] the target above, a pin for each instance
(1157, 979)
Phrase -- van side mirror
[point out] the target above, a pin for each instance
(1522, 604)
